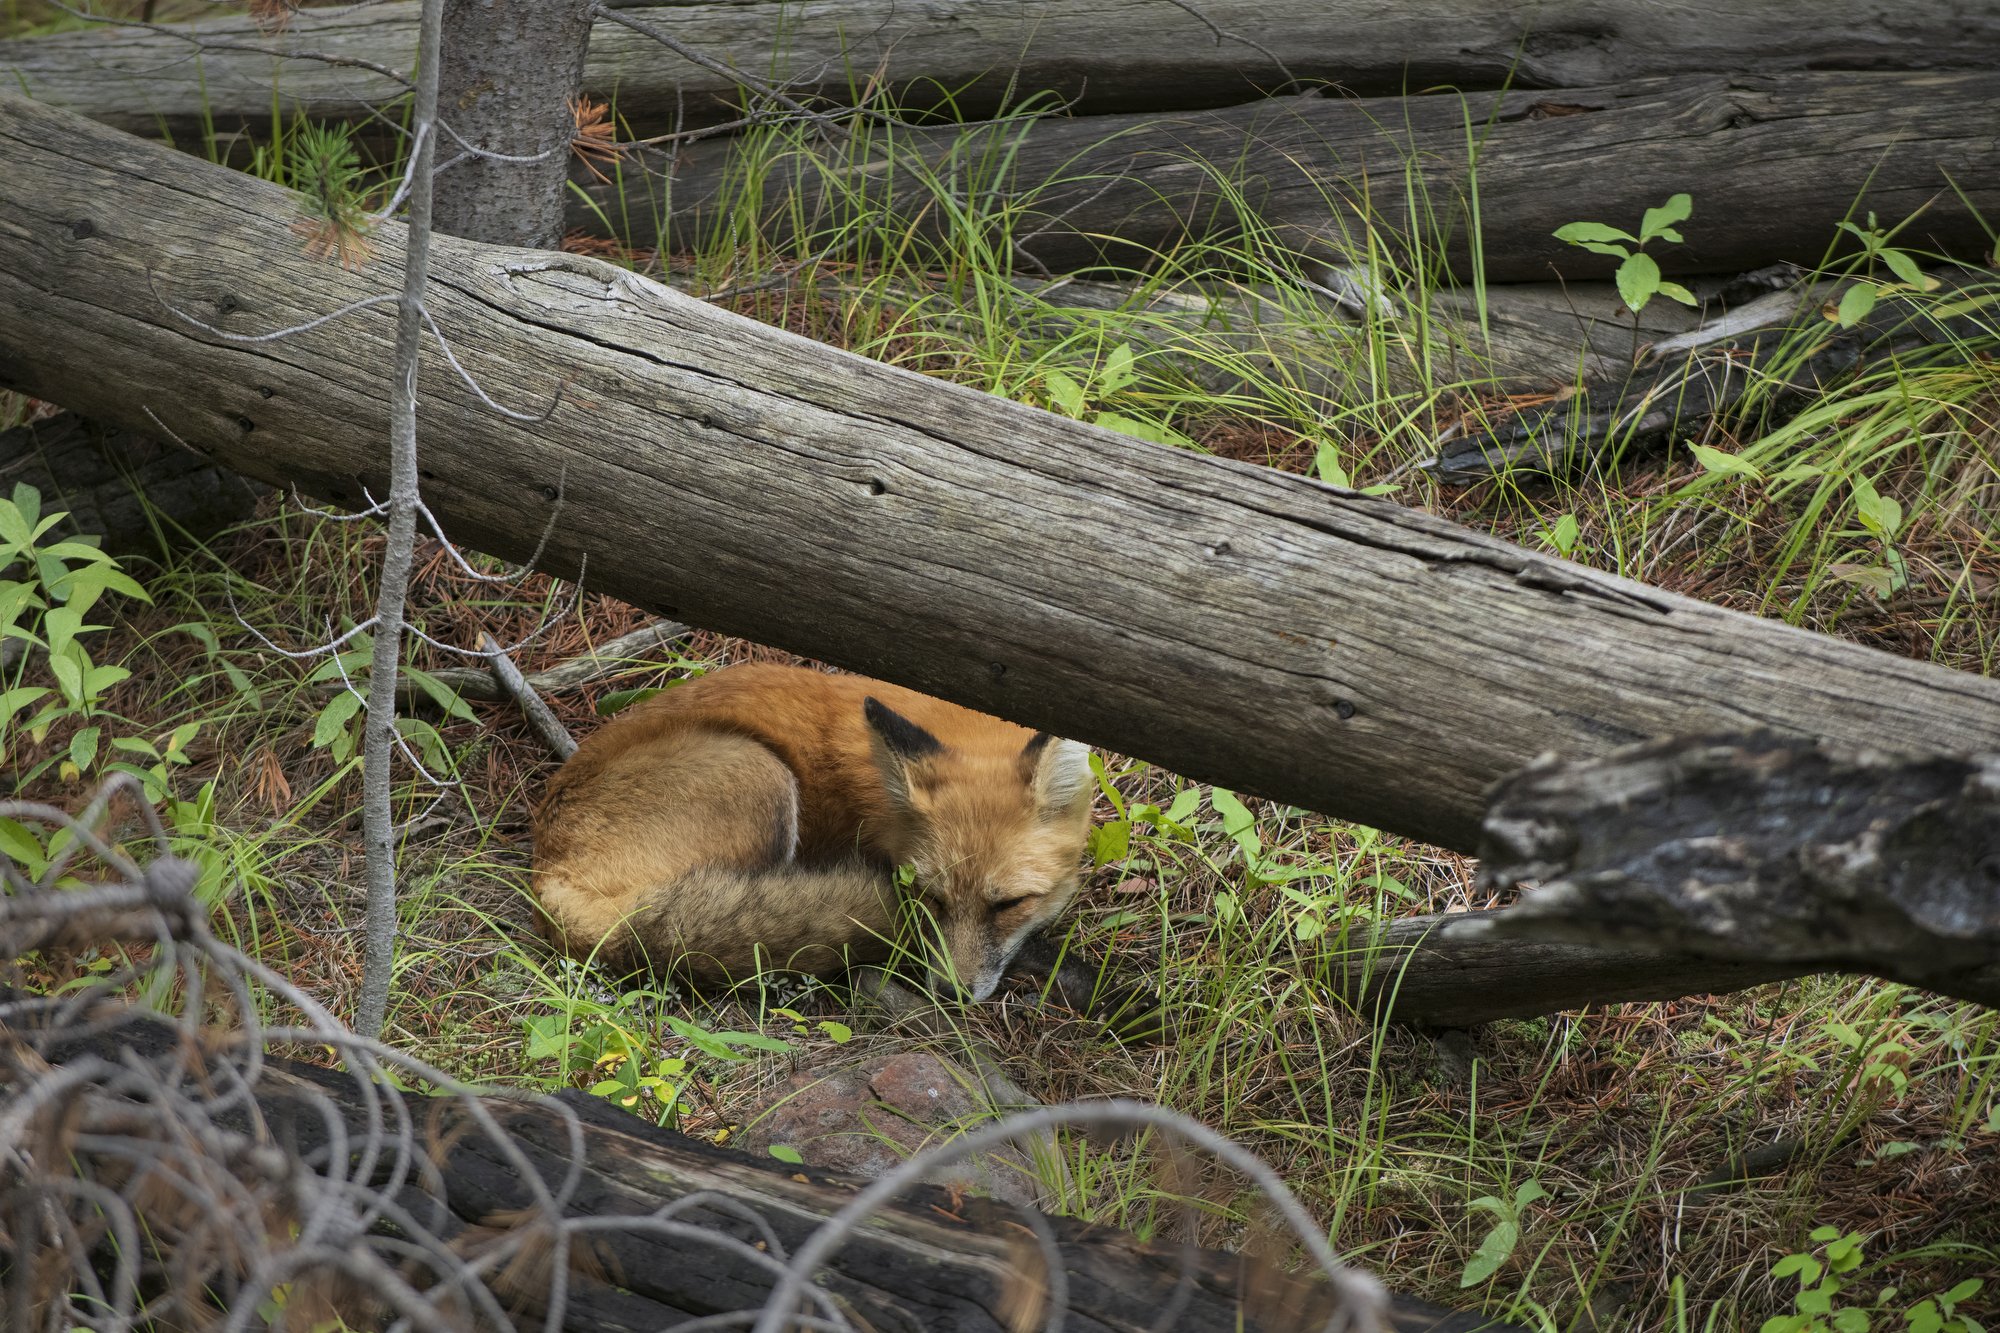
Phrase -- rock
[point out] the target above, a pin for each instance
(868, 1117)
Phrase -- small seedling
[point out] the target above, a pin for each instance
(1638, 277)
(1859, 301)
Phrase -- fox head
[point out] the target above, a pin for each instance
(994, 829)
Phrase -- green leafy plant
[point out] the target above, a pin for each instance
(1859, 301)
(1825, 1277)
(45, 609)
(338, 728)
(1638, 276)
(1881, 518)
(619, 1046)
(1118, 374)
(1561, 535)
(1497, 1246)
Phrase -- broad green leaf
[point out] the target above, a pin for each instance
(1593, 233)
(1493, 1251)
(1724, 464)
(1879, 513)
(1673, 291)
(17, 596)
(1110, 842)
(1326, 465)
(1064, 392)
(1139, 428)
(17, 517)
(69, 677)
(1906, 269)
(334, 717)
(98, 679)
(1856, 303)
(22, 847)
(1236, 816)
(61, 625)
(618, 700)
(15, 700)
(839, 1033)
(1804, 1266)
(785, 1154)
(441, 694)
(1638, 279)
(349, 663)
(1659, 222)
(83, 747)
(1185, 801)
(1117, 370)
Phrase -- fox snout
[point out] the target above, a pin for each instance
(967, 948)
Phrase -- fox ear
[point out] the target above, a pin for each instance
(1059, 770)
(899, 743)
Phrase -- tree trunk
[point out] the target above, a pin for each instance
(1773, 163)
(1230, 622)
(509, 83)
(1095, 55)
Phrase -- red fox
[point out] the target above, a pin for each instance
(755, 816)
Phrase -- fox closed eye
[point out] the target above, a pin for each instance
(1005, 903)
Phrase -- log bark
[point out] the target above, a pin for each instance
(118, 485)
(1230, 622)
(1317, 171)
(509, 83)
(932, 1260)
(1762, 849)
(1687, 381)
(1096, 55)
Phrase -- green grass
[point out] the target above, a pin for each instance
(1413, 1151)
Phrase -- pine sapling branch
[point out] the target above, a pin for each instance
(378, 828)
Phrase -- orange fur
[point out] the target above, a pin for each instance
(753, 816)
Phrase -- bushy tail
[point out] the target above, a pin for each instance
(718, 923)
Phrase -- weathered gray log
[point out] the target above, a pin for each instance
(1456, 970)
(1319, 171)
(1097, 55)
(932, 1260)
(1466, 968)
(1230, 622)
(1761, 849)
(117, 483)
(1688, 381)
(1229, 338)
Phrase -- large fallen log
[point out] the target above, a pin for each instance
(1323, 174)
(1230, 622)
(1764, 850)
(1097, 55)
(125, 488)
(1788, 358)
(453, 1203)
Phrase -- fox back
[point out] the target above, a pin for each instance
(755, 815)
